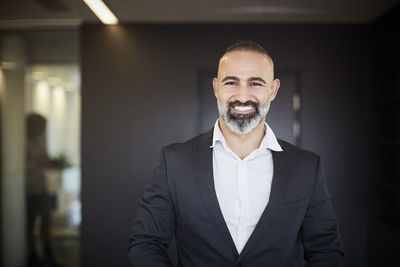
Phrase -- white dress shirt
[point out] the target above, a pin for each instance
(243, 186)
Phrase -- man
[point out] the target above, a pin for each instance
(237, 196)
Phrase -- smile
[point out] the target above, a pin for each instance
(243, 108)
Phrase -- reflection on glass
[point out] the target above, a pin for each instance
(52, 165)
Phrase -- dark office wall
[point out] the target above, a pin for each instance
(384, 219)
(139, 93)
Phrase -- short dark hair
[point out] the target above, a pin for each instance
(245, 45)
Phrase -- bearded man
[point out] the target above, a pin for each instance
(237, 195)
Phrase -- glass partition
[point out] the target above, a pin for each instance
(40, 158)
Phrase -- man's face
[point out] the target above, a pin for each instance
(244, 88)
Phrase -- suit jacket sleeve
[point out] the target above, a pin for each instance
(155, 223)
(320, 235)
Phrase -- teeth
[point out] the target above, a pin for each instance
(243, 108)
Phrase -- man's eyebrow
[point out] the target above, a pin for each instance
(252, 79)
(230, 78)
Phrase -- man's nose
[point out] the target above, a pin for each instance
(242, 94)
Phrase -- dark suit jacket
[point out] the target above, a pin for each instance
(297, 223)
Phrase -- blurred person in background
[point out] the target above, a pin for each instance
(39, 203)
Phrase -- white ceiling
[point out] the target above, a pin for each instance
(54, 13)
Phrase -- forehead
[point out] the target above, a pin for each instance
(245, 64)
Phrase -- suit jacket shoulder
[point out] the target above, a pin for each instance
(297, 152)
(183, 151)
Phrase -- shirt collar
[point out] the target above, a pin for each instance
(269, 140)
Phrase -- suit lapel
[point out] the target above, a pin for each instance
(204, 177)
(280, 181)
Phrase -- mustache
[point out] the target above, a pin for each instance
(247, 103)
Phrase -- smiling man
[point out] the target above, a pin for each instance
(236, 195)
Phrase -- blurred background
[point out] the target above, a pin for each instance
(87, 102)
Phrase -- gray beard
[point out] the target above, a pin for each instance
(243, 125)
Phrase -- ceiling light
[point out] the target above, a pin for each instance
(102, 11)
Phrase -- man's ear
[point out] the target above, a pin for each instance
(274, 89)
(215, 87)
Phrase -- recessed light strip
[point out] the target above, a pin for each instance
(102, 11)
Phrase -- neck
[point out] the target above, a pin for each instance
(242, 144)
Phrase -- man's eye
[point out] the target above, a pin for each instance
(256, 84)
(230, 83)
